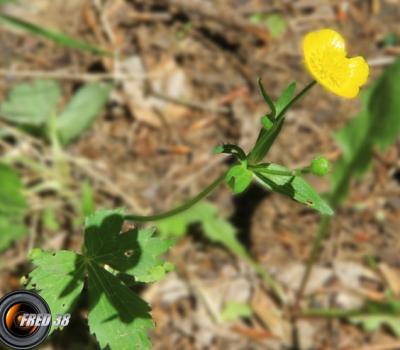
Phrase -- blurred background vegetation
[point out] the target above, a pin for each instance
(119, 103)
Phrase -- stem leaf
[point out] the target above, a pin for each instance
(293, 186)
(239, 177)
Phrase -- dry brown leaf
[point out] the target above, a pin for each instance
(391, 276)
(270, 315)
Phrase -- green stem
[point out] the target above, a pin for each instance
(268, 280)
(315, 251)
(323, 231)
(296, 98)
(264, 141)
(181, 208)
(261, 168)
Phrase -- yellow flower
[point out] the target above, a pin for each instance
(325, 58)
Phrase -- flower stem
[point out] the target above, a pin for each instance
(266, 138)
(181, 208)
(315, 251)
(261, 168)
(334, 200)
(296, 98)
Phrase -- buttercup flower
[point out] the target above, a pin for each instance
(325, 58)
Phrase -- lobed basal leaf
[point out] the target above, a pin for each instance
(118, 317)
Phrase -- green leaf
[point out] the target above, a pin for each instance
(285, 98)
(150, 267)
(49, 219)
(235, 310)
(215, 228)
(390, 40)
(374, 322)
(276, 24)
(82, 110)
(231, 149)
(12, 206)
(293, 186)
(10, 230)
(265, 142)
(12, 200)
(58, 38)
(267, 99)
(58, 278)
(88, 203)
(175, 226)
(239, 178)
(221, 231)
(272, 122)
(118, 317)
(376, 125)
(266, 122)
(31, 104)
(378, 314)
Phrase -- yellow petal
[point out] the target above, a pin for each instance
(325, 58)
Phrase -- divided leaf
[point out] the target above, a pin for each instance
(135, 252)
(118, 317)
(293, 186)
(31, 104)
(58, 278)
(82, 110)
(149, 266)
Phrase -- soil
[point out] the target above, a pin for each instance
(195, 66)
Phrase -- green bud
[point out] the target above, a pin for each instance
(320, 166)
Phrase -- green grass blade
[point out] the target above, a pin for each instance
(58, 38)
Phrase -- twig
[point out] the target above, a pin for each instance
(381, 61)
(192, 104)
(388, 346)
(75, 76)
(86, 166)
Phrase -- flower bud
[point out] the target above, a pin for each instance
(320, 166)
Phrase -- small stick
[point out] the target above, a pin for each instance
(62, 75)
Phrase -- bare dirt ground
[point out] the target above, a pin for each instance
(186, 76)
